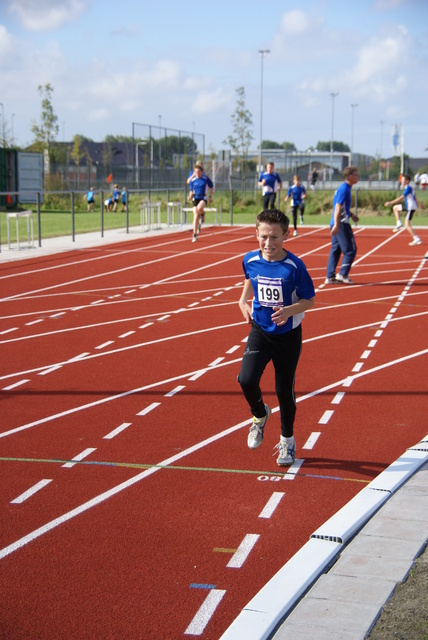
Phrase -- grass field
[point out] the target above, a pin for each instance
(56, 218)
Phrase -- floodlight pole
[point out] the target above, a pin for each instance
(333, 95)
(352, 130)
(262, 53)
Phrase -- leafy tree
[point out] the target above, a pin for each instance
(242, 122)
(77, 154)
(46, 132)
(337, 146)
(270, 144)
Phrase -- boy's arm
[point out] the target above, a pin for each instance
(337, 213)
(281, 314)
(247, 293)
(396, 201)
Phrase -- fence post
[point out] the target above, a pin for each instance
(231, 206)
(39, 219)
(102, 213)
(73, 230)
(127, 210)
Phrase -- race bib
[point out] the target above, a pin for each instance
(270, 292)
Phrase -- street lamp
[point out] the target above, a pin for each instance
(2, 121)
(333, 95)
(262, 53)
(381, 144)
(352, 130)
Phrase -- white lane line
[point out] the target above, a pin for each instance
(162, 318)
(174, 391)
(233, 349)
(326, 416)
(2, 333)
(128, 333)
(372, 343)
(271, 504)
(16, 384)
(198, 374)
(378, 333)
(77, 458)
(147, 410)
(118, 430)
(365, 354)
(310, 442)
(30, 492)
(216, 361)
(243, 551)
(293, 470)
(50, 370)
(338, 397)
(104, 344)
(144, 326)
(58, 315)
(358, 367)
(205, 613)
(29, 324)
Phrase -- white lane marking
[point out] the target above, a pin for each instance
(27, 494)
(365, 354)
(81, 456)
(233, 349)
(29, 324)
(216, 361)
(243, 551)
(205, 613)
(372, 343)
(128, 333)
(271, 504)
(311, 441)
(118, 430)
(105, 344)
(338, 397)
(16, 384)
(2, 333)
(358, 366)
(293, 470)
(326, 416)
(174, 391)
(147, 410)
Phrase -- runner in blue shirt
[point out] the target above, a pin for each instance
(90, 197)
(199, 184)
(271, 183)
(410, 206)
(297, 193)
(282, 290)
(116, 194)
(342, 236)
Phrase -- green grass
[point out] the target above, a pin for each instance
(56, 217)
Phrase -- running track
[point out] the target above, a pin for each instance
(131, 506)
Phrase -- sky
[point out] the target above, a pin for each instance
(178, 66)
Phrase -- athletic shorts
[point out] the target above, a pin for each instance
(410, 214)
(196, 201)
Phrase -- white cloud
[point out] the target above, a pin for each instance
(294, 22)
(46, 15)
(209, 101)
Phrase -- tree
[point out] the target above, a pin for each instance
(77, 154)
(46, 132)
(242, 122)
(337, 146)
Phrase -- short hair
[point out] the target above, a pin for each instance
(407, 177)
(271, 163)
(273, 216)
(296, 177)
(348, 171)
(198, 165)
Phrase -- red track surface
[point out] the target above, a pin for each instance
(147, 336)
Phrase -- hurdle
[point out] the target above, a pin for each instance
(206, 210)
(150, 215)
(174, 210)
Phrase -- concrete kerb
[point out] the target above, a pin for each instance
(265, 613)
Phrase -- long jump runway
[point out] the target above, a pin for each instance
(131, 506)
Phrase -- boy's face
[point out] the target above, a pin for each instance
(198, 172)
(271, 238)
(269, 168)
(296, 181)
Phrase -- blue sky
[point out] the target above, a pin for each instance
(179, 65)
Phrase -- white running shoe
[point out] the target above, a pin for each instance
(195, 238)
(255, 436)
(286, 452)
(330, 280)
(344, 279)
(416, 240)
(397, 227)
(295, 232)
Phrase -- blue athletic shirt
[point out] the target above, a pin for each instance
(343, 197)
(296, 193)
(409, 199)
(277, 284)
(273, 180)
(199, 186)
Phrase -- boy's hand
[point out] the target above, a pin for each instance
(280, 315)
(246, 312)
